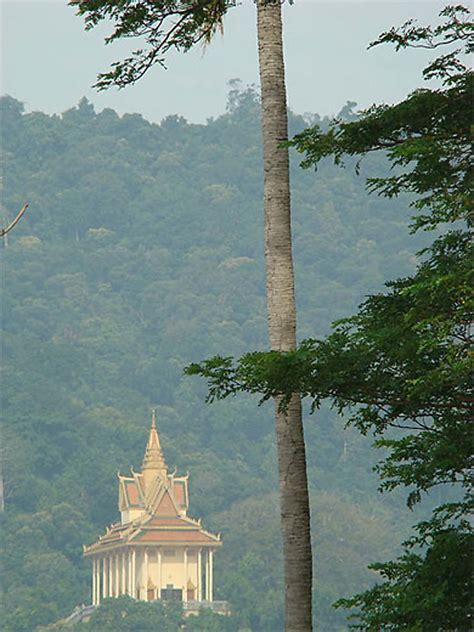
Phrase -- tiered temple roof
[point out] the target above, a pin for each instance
(153, 506)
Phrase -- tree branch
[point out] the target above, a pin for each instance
(13, 223)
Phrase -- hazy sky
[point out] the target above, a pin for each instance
(49, 62)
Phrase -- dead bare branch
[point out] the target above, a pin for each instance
(13, 223)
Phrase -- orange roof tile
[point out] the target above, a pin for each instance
(174, 536)
(166, 506)
(167, 522)
(178, 489)
(133, 493)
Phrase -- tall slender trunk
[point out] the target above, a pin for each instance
(2, 495)
(294, 498)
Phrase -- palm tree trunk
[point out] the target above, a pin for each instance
(294, 499)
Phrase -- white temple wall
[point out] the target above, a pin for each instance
(173, 567)
(175, 570)
(193, 567)
(128, 571)
(128, 515)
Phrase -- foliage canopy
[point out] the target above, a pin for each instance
(161, 26)
(109, 293)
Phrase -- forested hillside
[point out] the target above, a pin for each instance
(142, 252)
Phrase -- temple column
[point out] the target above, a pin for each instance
(185, 591)
(160, 574)
(104, 578)
(111, 576)
(206, 576)
(145, 574)
(129, 572)
(97, 581)
(199, 577)
(117, 575)
(134, 575)
(123, 569)
(209, 590)
(93, 580)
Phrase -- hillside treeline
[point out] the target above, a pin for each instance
(142, 252)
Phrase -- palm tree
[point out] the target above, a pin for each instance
(179, 24)
(294, 499)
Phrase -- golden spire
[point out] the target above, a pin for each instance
(153, 459)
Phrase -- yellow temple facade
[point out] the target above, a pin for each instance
(156, 551)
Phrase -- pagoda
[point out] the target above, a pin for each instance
(156, 551)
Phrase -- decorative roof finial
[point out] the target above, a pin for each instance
(153, 455)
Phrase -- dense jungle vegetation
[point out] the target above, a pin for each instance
(142, 252)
